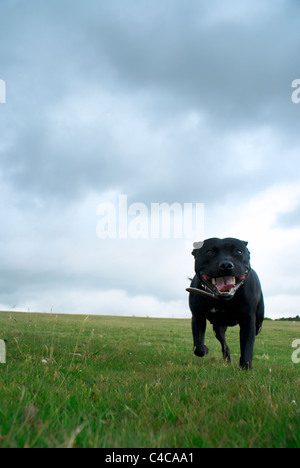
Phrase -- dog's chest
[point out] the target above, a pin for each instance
(221, 316)
(213, 310)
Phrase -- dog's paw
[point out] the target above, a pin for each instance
(201, 352)
(245, 365)
(226, 354)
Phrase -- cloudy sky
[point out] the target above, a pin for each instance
(163, 101)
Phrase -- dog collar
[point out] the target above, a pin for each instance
(208, 292)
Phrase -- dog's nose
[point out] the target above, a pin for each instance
(226, 265)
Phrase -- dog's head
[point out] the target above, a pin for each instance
(222, 264)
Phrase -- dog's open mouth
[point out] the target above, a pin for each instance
(223, 284)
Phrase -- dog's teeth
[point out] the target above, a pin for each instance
(213, 280)
(234, 280)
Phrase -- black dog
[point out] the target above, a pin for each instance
(227, 292)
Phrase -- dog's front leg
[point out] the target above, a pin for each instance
(247, 339)
(198, 329)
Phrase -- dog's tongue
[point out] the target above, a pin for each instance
(225, 283)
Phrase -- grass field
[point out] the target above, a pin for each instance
(98, 381)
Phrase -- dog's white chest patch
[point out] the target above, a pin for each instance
(213, 311)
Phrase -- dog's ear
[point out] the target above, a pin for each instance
(246, 243)
(197, 246)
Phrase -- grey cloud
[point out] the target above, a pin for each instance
(181, 58)
(289, 219)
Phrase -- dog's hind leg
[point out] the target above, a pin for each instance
(220, 335)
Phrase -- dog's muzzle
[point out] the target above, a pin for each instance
(216, 288)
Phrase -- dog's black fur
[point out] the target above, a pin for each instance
(223, 259)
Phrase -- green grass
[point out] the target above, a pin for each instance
(73, 381)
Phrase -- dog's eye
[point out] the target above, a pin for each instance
(239, 252)
(210, 252)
